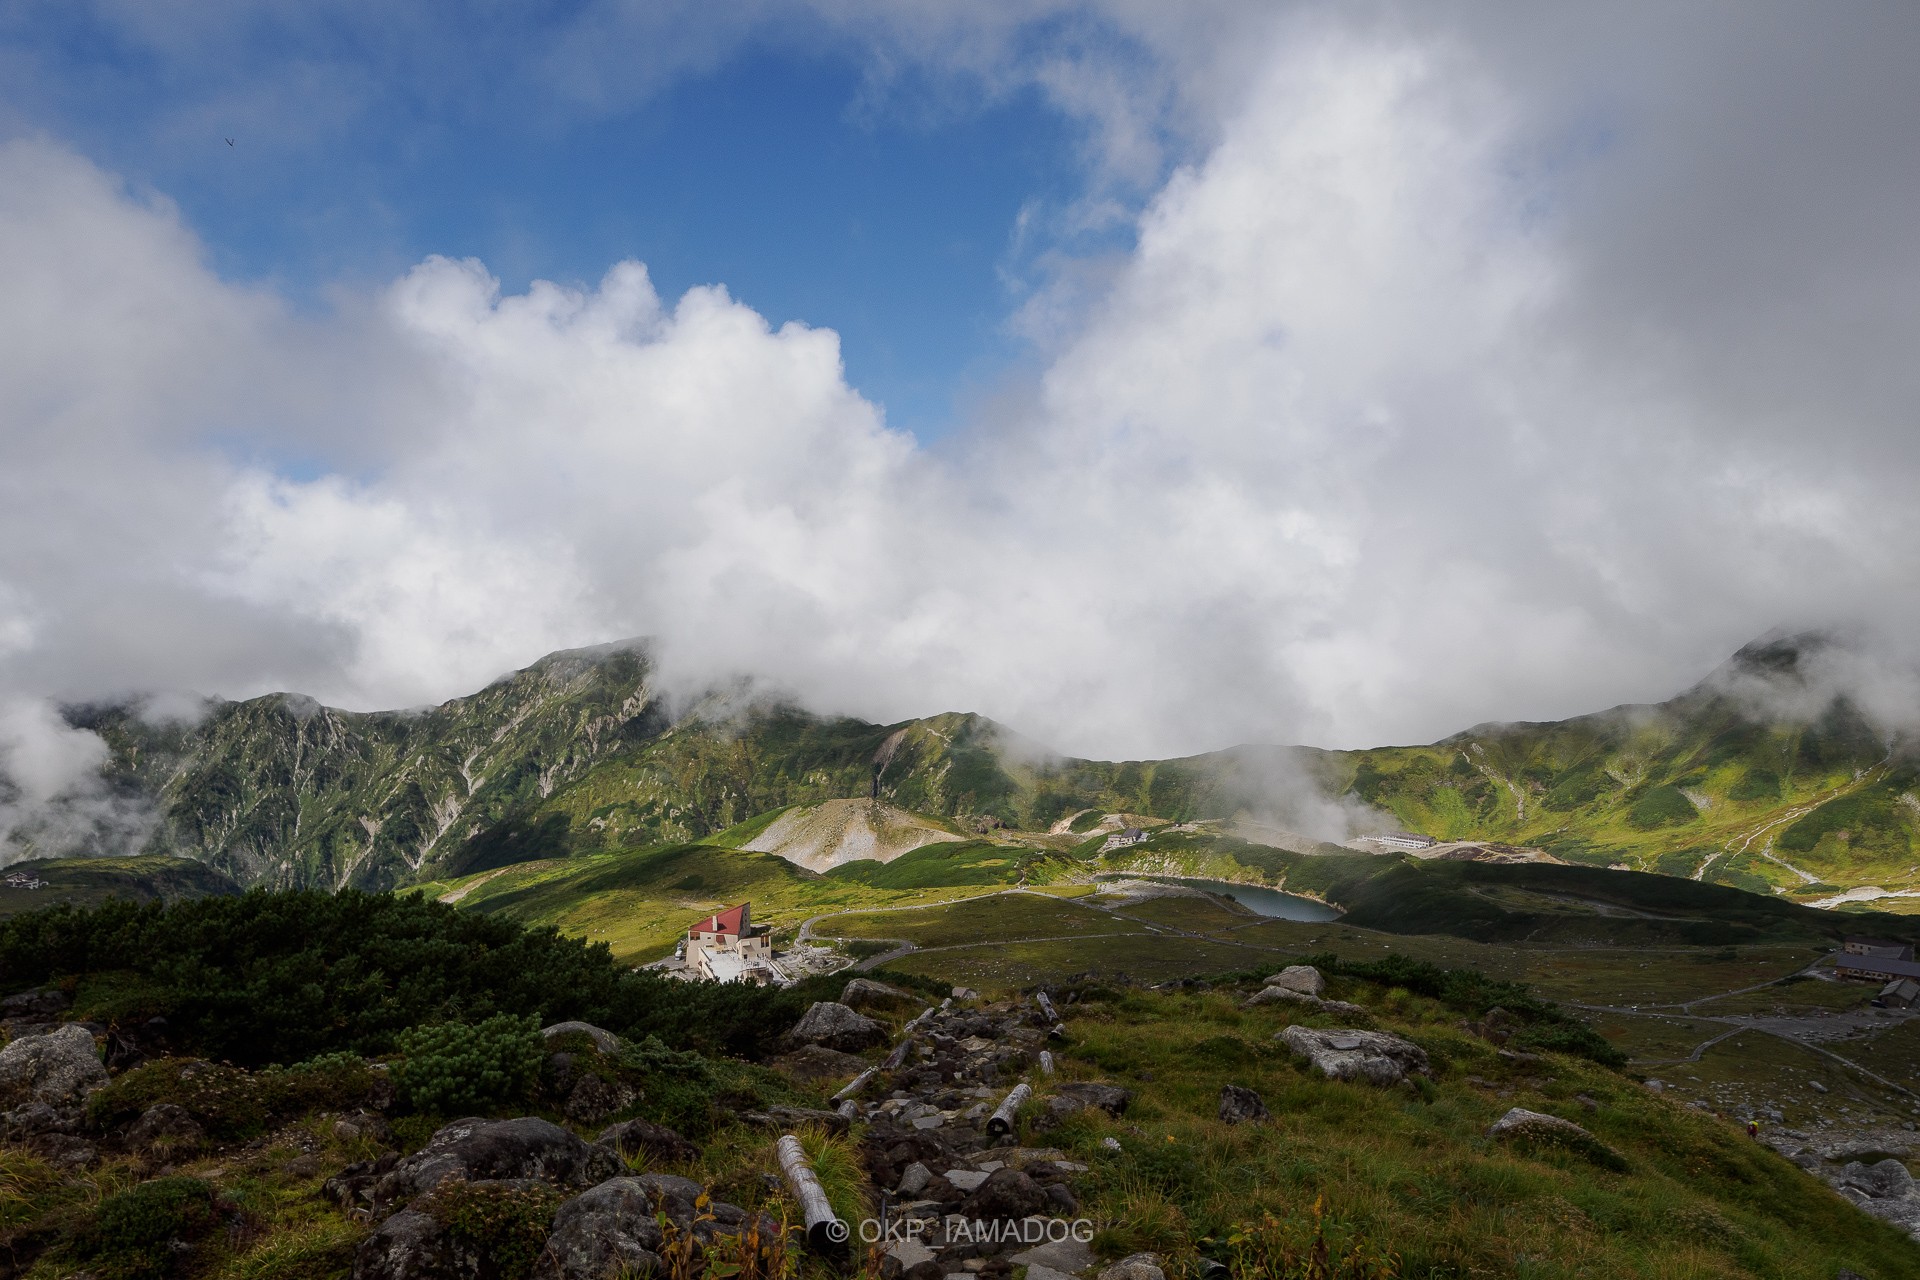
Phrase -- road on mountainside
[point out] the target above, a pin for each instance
(1804, 1031)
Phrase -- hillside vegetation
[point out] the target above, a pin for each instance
(579, 754)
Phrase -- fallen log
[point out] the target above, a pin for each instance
(1046, 1007)
(898, 1056)
(1046, 1062)
(859, 1083)
(826, 1233)
(1001, 1121)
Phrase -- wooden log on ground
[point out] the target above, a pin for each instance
(1046, 1007)
(1046, 1061)
(859, 1083)
(1001, 1121)
(898, 1056)
(826, 1233)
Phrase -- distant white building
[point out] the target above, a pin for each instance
(1404, 840)
(1124, 839)
(728, 947)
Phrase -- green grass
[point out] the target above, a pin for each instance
(1411, 1171)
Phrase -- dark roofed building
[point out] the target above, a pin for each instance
(1879, 948)
(1867, 968)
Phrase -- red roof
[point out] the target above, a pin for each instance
(731, 921)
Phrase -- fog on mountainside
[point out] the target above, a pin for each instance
(1778, 772)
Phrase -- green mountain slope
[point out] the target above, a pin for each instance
(580, 753)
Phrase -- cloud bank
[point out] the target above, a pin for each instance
(1436, 388)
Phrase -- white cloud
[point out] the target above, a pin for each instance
(1377, 431)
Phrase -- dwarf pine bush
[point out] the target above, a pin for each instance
(453, 1068)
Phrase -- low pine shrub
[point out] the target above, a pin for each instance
(506, 1225)
(455, 1068)
(137, 1234)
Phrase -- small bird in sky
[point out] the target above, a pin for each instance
(229, 141)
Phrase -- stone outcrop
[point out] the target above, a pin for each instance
(1884, 1189)
(1304, 978)
(1240, 1105)
(642, 1138)
(1376, 1057)
(57, 1068)
(492, 1150)
(862, 993)
(603, 1040)
(834, 1026)
(1286, 995)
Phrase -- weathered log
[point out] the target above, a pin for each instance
(1046, 1062)
(859, 1083)
(825, 1231)
(898, 1056)
(1059, 1031)
(1046, 1007)
(1001, 1121)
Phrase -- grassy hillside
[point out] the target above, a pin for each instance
(86, 882)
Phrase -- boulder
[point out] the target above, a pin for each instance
(1069, 1098)
(1069, 1256)
(834, 1026)
(608, 1230)
(33, 1118)
(1238, 1105)
(165, 1126)
(1888, 1179)
(915, 1179)
(1376, 1057)
(1006, 1194)
(592, 1099)
(656, 1142)
(1138, 1266)
(41, 1002)
(59, 1067)
(1520, 1122)
(491, 1150)
(860, 992)
(603, 1040)
(1286, 995)
(409, 1246)
(817, 1062)
(1303, 978)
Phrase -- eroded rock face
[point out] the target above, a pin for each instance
(57, 1068)
(485, 1150)
(1286, 995)
(835, 1026)
(1239, 1105)
(1377, 1057)
(408, 1246)
(1303, 978)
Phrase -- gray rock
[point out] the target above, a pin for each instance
(606, 1231)
(914, 1179)
(644, 1138)
(1885, 1180)
(1067, 1255)
(1041, 1271)
(33, 1118)
(1520, 1122)
(409, 1246)
(41, 1002)
(967, 1179)
(603, 1040)
(61, 1066)
(490, 1150)
(834, 1026)
(1376, 1057)
(1238, 1105)
(1069, 1098)
(1303, 978)
(1285, 995)
(167, 1126)
(860, 992)
(1006, 1194)
(1138, 1266)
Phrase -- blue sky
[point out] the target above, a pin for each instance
(776, 168)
